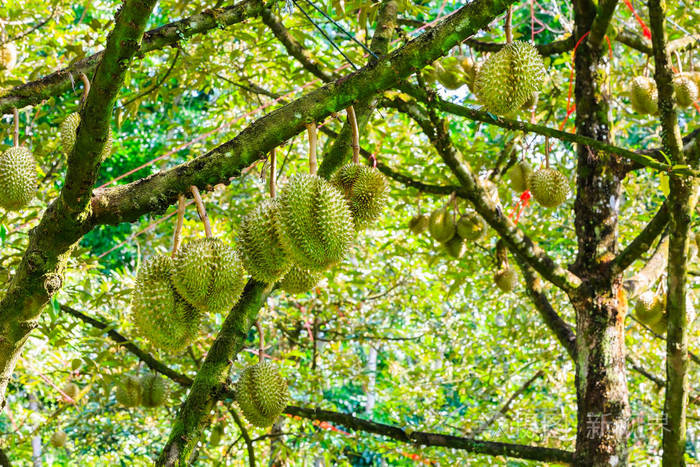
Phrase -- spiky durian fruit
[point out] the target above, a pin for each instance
(158, 313)
(69, 130)
(686, 89)
(154, 391)
(644, 95)
(469, 67)
(365, 191)
(442, 225)
(449, 73)
(298, 280)
(59, 439)
(455, 247)
(259, 246)
(519, 176)
(549, 187)
(71, 390)
(18, 178)
(509, 77)
(314, 224)
(418, 223)
(8, 56)
(471, 226)
(208, 274)
(261, 393)
(129, 391)
(506, 279)
(216, 434)
(649, 308)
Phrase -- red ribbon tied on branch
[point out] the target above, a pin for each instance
(519, 206)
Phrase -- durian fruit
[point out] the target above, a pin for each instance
(59, 439)
(549, 187)
(469, 67)
(519, 176)
(449, 73)
(71, 390)
(69, 129)
(644, 95)
(455, 247)
(18, 178)
(686, 89)
(506, 279)
(8, 56)
(129, 391)
(418, 223)
(509, 77)
(216, 434)
(530, 102)
(299, 280)
(262, 394)
(208, 274)
(259, 246)
(315, 224)
(159, 314)
(365, 191)
(154, 391)
(471, 227)
(649, 308)
(429, 73)
(442, 225)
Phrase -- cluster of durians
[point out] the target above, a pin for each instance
(644, 94)
(147, 391)
(548, 186)
(452, 233)
(309, 227)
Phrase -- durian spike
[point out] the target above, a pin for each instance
(261, 342)
(509, 25)
(15, 132)
(273, 173)
(178, 224)
(201, 210)
(313, 138)
(86, 88)
(352, 119)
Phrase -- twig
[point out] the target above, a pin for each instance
(178, 225)
(245, 434)
(509, 25)
(261, 342)
(15, 132)
(313, 138)
(352, 120)
(86, 88)
(201, 210)
(273, 173)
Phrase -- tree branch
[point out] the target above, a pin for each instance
(4, 460)
(554, 47)
(58, 82)
(642, 242)
(421, 438)
(604, 14)
(244, 434)
(651, 271)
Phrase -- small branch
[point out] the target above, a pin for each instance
(642, 242)
(86, 88)
(313, 144)
(244, 434)
(352, 121)
(158, 83)
(651, 271)
(261, 342)
(201, 210)
(509, 25)
(178, 224)
(15, 130)
(604, 14)
(36, 27)
(273, 173)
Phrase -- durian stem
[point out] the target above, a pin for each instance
(261, 342)
(509, 25)
(679, 63)
(86, 88)
(178, 225)
(352, 119)
(273, 173)
(313, 138)
(201, 210)
(15, 132)
(546, 151)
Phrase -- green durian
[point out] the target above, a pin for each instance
(549, 187)
(686, 89)
(449, 73)
(315, 224)
(8, 56)
(69, 130)
(644, 95)
(18, 178)
(649, 308)
(519, 176)
(59, 439)
(71, 390)
(442, 225)
(261, 393)
(129, 391)
(471, 227)
(216, 434)
(158, 312)
(530, 102)
(506, 279)
(429, 73)
(455, 247)
(418, 223)
(208, 274)
(154, 391)
(509, 77)
(364, 189)
(298, 280)
(259, 245)
(469, 67)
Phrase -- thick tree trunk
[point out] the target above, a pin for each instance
(601, 384)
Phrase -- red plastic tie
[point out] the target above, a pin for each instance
(520, 206)
(645, 29)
